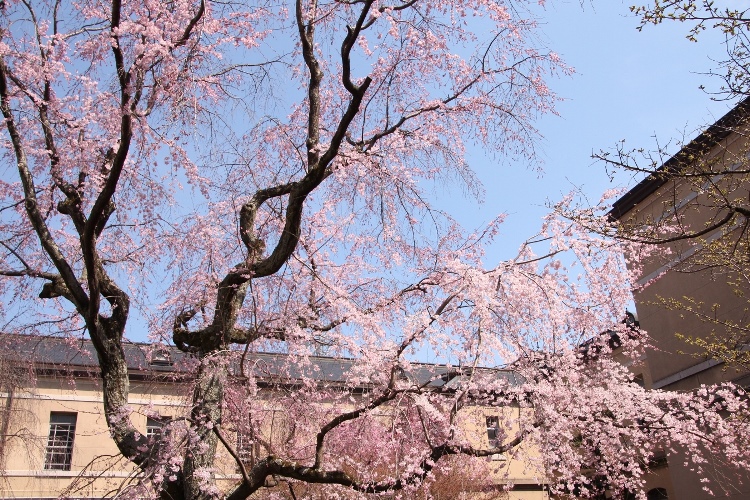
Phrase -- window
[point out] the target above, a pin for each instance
(247, 449)
(161, 357)
(154, 427)
(658, 460)
(493, 430)
(62, 430)
(493, 434)
(657, 494)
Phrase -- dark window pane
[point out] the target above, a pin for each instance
(657, 494)
(492, 430)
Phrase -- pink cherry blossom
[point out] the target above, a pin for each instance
(251, 178)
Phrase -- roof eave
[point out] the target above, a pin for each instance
(698, 146)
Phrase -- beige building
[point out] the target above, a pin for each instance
(55, 443)
(54, 439)
(696, 306)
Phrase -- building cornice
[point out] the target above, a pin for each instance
(699, 146)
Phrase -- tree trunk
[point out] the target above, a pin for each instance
(200, 481)
(115, 389)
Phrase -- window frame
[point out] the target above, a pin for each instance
(493, 429)
(58, 454)
(155, 427)
(248, 448)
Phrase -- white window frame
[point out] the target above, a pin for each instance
(59, 451)
(493, 429)
(154, 427)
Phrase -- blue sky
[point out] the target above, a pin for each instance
(629, 85)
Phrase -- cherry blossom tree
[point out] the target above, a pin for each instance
(256, 176)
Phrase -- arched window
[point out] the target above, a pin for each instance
(657, 494)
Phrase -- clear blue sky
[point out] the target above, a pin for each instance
(628, 85)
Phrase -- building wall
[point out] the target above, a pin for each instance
(677, 274)
(673, 274)
(97, 469)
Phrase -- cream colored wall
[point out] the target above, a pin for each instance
(97, 469)
(512, 469)
(672, 363)
(673, 355)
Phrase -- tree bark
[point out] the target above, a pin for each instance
(208, 397)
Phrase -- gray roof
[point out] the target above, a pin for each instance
(79, 355)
